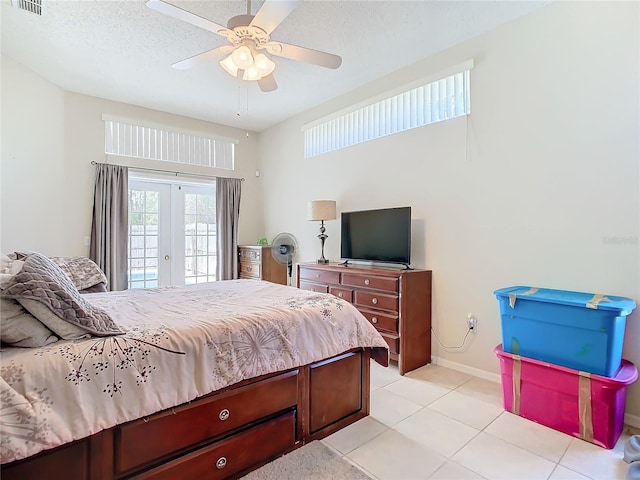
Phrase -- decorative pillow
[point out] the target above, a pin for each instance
(42, 283)
(19, 328)
(82, 271)
(97, 288)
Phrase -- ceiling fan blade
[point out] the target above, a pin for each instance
(272, 13)
(268, 83)
(303, 54)
(185, 16)
(203, 57)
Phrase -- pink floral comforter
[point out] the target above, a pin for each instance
(180, 343)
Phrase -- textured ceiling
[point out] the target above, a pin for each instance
(121, 50)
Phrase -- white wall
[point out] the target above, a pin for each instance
(50, 137)
(33, 206)
(538, 186)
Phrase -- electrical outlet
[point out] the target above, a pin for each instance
(472, 322)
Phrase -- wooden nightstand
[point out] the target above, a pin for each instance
(256, 261)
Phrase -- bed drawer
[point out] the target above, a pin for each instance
(376, 300)
(389, 284)
(320, 276)
(313, 287)
(333, 392)
(65, 462)
(231, 456)
(142, 442)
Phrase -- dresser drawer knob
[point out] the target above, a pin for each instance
(317, 275)
(374, 319)
(374, 300)
(340, 294)
(366, 281)
(221, 463)
(249, 269)
(224, 414)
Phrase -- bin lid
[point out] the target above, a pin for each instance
(577, 299)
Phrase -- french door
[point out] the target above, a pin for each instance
(172, 232)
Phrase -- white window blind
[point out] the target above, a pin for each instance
(159, 143)
(429, 103)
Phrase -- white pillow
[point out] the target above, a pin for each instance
(19, 328)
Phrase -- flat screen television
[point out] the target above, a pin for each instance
(382, 235)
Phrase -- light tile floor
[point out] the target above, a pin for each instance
(438, 423)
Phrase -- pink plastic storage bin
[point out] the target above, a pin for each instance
(587, 406)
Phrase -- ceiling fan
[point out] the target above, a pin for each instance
(248, 55)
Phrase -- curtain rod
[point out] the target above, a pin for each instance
(93, 162)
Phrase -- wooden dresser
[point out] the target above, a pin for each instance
(396, 302)
(256, 261)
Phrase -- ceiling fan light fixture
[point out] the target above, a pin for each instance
(242, 57)
(229, 66)
(247, 35)
(251, 73)
(264, 65)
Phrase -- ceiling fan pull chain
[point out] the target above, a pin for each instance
(248, 7)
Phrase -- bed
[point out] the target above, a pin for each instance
(202, 381)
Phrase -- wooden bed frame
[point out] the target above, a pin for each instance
(225, 434)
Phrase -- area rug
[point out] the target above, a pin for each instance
(314, 461)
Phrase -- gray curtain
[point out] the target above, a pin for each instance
(110, 223)
(227, 215)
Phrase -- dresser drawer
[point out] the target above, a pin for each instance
(371, 281)
(249, 270)
(382, 321)
(144, 441)
(250, 254)
(226, 458)
(393, 342)
(344, 293)
(376, 300)
(320, 276)
(313, 287)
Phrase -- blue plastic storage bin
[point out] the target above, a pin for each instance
(582, 331)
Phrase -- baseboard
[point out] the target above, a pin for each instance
(631, 420)
(476, 372)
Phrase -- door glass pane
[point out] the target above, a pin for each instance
(143, 238)
(199, 238)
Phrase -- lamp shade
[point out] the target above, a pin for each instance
(321, 210)
(242, 57)
(229, 66)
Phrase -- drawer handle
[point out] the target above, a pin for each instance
(374, 319)
(374, 300)
(317, 275)
(340, 294)
(248, 269)
(366, 281)
(224, 414)
(221, 463)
